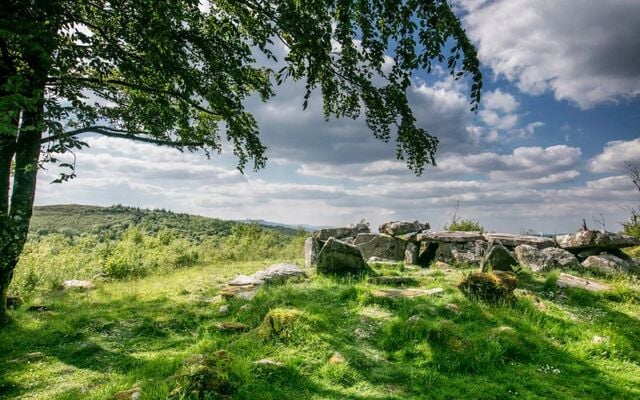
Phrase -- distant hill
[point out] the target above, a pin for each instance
(110, 222)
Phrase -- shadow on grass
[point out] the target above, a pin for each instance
(481, 352)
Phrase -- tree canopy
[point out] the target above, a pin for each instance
(178, 72)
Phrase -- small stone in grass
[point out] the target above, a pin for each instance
(337, 358)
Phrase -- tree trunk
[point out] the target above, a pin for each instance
(15, 223)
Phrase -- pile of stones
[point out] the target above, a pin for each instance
(345, 250)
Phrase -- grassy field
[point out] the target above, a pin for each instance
(160, 333)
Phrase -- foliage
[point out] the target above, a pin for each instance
(48, 260)
(461, 224)
(495, 286)
(159, 334)
(466, 225)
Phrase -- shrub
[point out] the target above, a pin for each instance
(465, 225)
(206, 377)
(489, 286)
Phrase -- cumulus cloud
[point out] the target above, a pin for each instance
(614, 155)
(583, 51)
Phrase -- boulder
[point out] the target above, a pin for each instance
(513, 240)
(341, 233)
(411, 254)
(596, 240)
(396, 228)
(546, 259)
(312, 247)
(498, 258)
(383, 246)
(279, 273)
(609, 264)
(449, 237)
(339, 258)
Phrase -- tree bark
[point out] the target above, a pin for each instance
(15, 223)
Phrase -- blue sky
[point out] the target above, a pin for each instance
(560, 114)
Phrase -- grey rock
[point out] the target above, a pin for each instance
(223, 310)
(383, 246)
(312, 247)
(395, 228)
(498, 258)
(279, 273)
(449, 237)
(513, 240)
(339, 258)
(76, 284)
(572, 281)
(596, 240)
(245, 280)
(341, 233)
(269, 362)
(468, 253)
(380, 260)
(546, 259)
(609, 264)
(411, 254)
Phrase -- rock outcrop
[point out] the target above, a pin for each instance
(341, 233)
(513, 240)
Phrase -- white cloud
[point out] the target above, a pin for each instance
(583, 51)
(614, 155)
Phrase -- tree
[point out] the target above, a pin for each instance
(176, 73)
(632, 225)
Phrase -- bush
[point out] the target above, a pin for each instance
(206, 377)
(465, 225)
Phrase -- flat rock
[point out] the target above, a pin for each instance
(245, 280)
(380, 245)
(396, 228)
(449, 237)
(232, 326)
(76, 284)
(513, 240)
(341, 233)
(392, 280)
(498, 258)
(247, 292)
(546, 259)
(572, 281)
(341, 259)
(409, 293)
(279, 273)
(609, 264)
(457, 254)
(596, 239)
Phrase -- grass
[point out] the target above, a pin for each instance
(90, 345)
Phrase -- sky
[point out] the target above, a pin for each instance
(560, 114)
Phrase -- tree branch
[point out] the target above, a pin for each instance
(117, 82)
(121, 134)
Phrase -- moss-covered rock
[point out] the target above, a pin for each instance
(488, 286)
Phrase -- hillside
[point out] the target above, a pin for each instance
(111, 222)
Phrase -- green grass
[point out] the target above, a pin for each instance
(140, 332)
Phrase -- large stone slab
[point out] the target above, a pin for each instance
(449, 237)
(396, 228)
(341, 259)
(312, 247)
(279, 273)
(380, 245)
(341, 233)
(609, 264)
(246, 286)
(409, 293)
(513, 240)
(545, 259)
(498, 258)
(596, 240)
(572, 281)
(412, 254)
